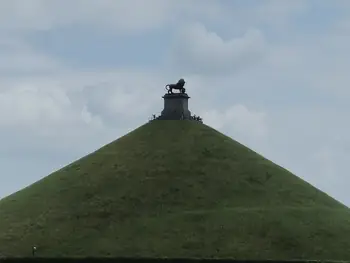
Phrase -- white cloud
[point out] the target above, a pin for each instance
(28, 105)
(279, 12)
(26, 62)
(43, 110)
(17, 56)
(198, 50)
(45, 15)
(109, 100)
(241, 122)
(122, 16)
(67, 105)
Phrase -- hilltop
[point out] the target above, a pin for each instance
(175, 189)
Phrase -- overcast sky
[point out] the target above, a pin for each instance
(274, 75)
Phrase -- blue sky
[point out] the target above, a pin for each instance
(272, 74)
(88, 48)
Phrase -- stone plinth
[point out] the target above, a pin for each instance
(175, 107)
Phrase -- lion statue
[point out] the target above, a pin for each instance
(179, 86)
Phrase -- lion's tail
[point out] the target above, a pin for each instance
(167, 87)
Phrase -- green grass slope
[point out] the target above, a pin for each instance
(175, 189)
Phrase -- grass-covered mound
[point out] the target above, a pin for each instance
(174, 189)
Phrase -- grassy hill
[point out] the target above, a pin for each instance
(175, 189)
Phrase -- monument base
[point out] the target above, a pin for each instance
(175, 107)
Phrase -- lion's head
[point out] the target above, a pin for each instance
(181, 82)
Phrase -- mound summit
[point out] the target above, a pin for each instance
(174, 188)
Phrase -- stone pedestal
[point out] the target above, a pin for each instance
(175, 107)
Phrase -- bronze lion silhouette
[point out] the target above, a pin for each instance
(178, 86)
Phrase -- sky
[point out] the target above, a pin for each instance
(271, 74)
